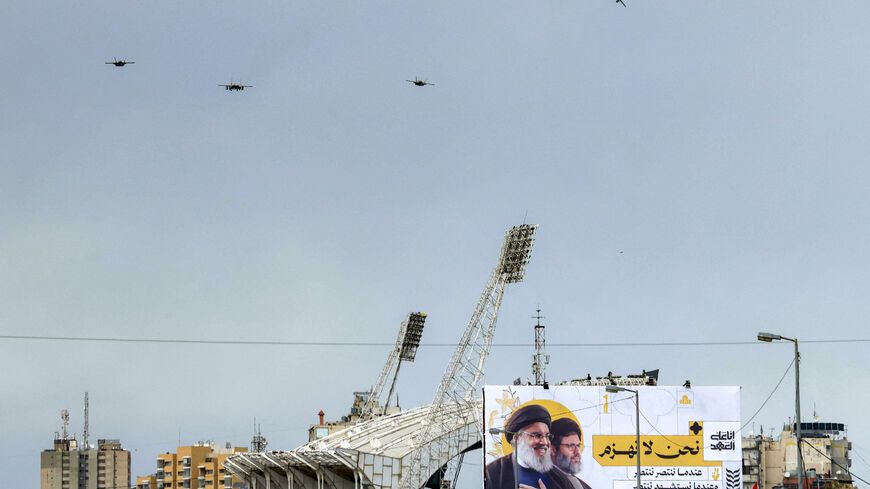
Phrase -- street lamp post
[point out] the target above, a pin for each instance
(513, 442)
(768, 337)
(616, 388)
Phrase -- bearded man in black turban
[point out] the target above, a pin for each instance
(528, 430)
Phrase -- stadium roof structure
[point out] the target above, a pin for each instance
(371, 452)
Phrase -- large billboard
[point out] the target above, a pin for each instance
(585, 437)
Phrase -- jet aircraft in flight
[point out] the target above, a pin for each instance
(235, 86)
(120, 62)
(419, 83)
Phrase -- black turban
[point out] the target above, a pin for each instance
(563, 427)
(524, 416)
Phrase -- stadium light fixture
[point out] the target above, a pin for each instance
(413, 333)
(516, 252)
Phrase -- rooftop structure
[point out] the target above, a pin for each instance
(68, 466)
(650, 377)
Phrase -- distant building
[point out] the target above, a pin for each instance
(318, 431)
(67, 466)
(200, 466)
(772, 463)
(147, 482)
(646, 378)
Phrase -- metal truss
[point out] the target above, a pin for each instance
(462, 379)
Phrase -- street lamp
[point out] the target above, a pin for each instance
(616, 388)
(513, 442)
(768, 337)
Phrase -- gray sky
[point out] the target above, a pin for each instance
(719, 146)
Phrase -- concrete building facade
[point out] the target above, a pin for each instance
(67, 466)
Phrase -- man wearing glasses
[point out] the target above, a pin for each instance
(566, 450)
(528, 430)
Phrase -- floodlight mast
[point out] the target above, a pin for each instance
(464, 374)
(407, 342)
(410, 343)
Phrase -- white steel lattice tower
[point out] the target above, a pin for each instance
(462, 379)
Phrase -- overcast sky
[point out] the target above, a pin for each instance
(698, 170)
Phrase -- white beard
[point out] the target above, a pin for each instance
(566, 464)
(527, 458)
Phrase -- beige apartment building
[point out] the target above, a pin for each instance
(200, 466)
(146, 482)
(770, 463)
(67, 466)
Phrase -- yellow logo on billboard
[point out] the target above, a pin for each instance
(606, 408)
(507, 402)
(715, 474)
(674, 450)
(685, 400)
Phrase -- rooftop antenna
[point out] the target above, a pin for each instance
(64, 415)
(258, 443)
(540, 359)
(86, 421)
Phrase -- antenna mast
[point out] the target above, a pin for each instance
(258, 443)
(540, 359)
(86, 421)
(64, 415)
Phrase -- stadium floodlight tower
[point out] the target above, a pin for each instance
(462, 379)
(407, 343)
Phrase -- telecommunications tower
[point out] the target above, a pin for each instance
(540, 359)
(86, 422)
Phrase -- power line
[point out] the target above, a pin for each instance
(378, 343)
(769, 396)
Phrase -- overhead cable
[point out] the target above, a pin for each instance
(769, 395)
(379, 343)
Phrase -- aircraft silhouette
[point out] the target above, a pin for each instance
(419, 83)
(236, 86)
(623, 3)
(120, 62)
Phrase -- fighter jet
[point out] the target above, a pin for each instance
(236, 86)
(120, 62)
(419, 83)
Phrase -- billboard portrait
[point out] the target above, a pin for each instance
(584, 437)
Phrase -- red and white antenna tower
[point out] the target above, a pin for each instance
(540, 359)
(86, 421)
